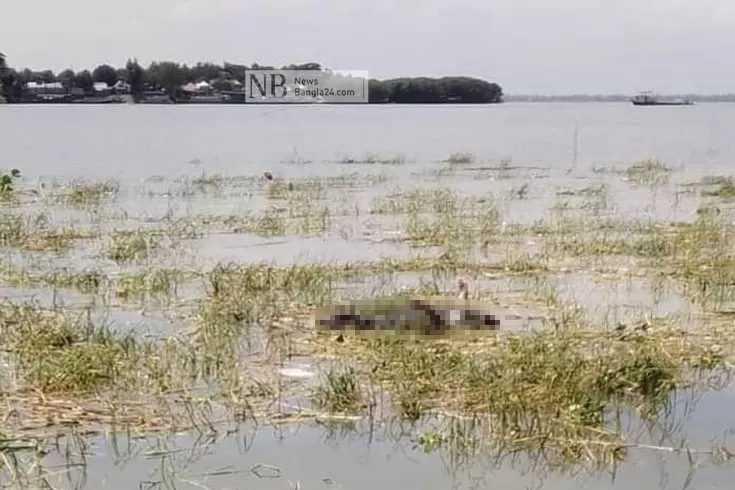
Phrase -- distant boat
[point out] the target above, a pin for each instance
(645, 98)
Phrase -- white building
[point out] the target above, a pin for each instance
(101, 87)
(46, 88)
(121, 87)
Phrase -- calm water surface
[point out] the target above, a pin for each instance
(136, 142)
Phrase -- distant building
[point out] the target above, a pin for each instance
(203, 87)
(45, 88)
(101, 88)
(121, 87)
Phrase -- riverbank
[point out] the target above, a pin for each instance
(167, 82)
(215, 99)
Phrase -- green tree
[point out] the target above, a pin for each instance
(121, 74)
(4, 79)
(222, 84)
(45, 76)
(7, 180)
(66, 77)
(106, 74)
(84, 81)
(378, 92)
(25, 76)
(422, 90)
(136, 77)
(304, 66)
(166, 74)
(11, 86)
(236, 71)
(205, 71)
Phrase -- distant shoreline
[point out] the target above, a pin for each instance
(334, 104)
(612, 98)
(206, 83)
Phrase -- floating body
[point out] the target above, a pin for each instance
(425, 316)
(411, 314)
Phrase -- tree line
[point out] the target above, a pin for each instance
(167, 76)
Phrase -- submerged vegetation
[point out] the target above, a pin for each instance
(219, 320)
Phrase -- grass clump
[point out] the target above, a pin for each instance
(72, 365)
(664, 245)
(300, 190)
(242, 296)
(90, 194)
(460, 158)
(256, 293)
(35, 233)
(208, 184)
(648, 172)
(372, 159)
(417, 201)
(458, 227)
(7, 182)
(88, 281)
(63, 364)
(301, 219)
(340, 392)
(159, 284)
(722, 187)
(270, 224)
(61, 353)
(559, 390)
(126, 246)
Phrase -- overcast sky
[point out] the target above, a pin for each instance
(527, 46)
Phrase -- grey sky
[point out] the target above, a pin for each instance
(528, 46)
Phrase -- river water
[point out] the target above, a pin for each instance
(136, 142)
(548, 145)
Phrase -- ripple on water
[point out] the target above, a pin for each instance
(360, 457)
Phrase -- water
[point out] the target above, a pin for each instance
(363, 457)
(550, 147)
(137, 142)
(134, 144)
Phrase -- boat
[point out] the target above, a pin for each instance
(646, 98)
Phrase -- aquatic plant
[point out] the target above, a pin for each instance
(7, 181)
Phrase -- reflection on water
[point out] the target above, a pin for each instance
(359, 455)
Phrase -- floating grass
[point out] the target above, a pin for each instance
(559, 387)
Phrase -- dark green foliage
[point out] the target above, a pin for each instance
(168, 76)
(66, 77)
(106, 74)
(6, 79)
(435, 90)
(84, 80)
(7, 181)
(136, 76)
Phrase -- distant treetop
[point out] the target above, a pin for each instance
(169, 76)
